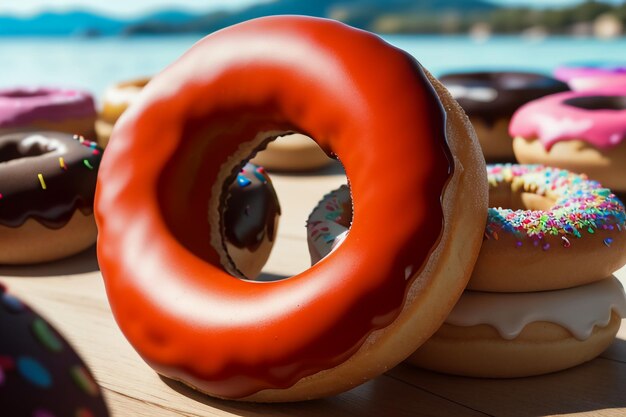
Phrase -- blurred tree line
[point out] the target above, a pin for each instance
(563, 20)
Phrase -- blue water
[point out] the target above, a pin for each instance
(93, 64)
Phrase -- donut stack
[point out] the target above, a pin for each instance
(541, 297)
(48, 169)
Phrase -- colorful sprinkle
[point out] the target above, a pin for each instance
(83, 412)
(62, 163)
(242, 181)
(12, 304)
(84, 381)
(45, 335)
(608, 242)
(41, 181)
(87, 164)
(6, 364)
(32, 371)
(566, 242)
(259, 173)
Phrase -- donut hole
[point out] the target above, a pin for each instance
(252, 211)
(506, 195)
(23, 149)
(299, 194)
(598, 102)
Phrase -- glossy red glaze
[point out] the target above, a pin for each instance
(362, 100)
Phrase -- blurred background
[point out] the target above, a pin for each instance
(92, 44)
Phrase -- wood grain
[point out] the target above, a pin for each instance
(71, 295)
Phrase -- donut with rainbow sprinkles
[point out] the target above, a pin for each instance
(548, 222)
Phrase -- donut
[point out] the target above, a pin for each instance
(491, 98)
(360, 310)
(329, 223)
(579, 131)
(600, 82)
(117, 98)
(524, 334)
(40, 373)
(294, 152)
(51, 109)
(581, 76)
(250, 223)
(546, 229)
(47, 183)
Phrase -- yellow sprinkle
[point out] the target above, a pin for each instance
(62, 163)
(41, 181)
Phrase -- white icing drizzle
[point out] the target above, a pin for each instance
(576, 309)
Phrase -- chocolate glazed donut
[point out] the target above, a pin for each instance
(250, 221)
(47, 184)
(491, 98)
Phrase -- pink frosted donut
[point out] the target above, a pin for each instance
(51, 109)
(586, 77)
(598, 82)
(570, 72)
(579, 131)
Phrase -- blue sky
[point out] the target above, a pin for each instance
(136, 7)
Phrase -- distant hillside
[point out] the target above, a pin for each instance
(366, 14)
(382, 16)
(83, 23)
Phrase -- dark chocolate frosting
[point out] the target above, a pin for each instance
(40, 373)
(495, 95)
(251, 209)
(46, 176)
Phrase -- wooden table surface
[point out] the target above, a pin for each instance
(70, 294)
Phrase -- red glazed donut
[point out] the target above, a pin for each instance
(356, 313)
